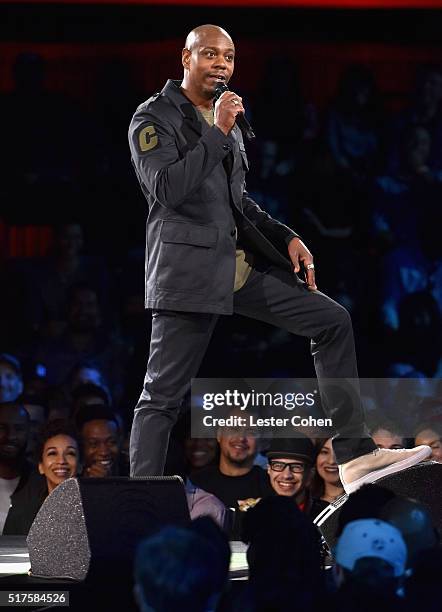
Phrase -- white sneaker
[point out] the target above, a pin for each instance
(380, 462)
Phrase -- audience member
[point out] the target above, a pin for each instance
(197, 452)
(85, 339)
(207, 528)
(15, 470)
(200, 452)
(36, 407)
(354, 122)
(422, 589)
(366, 503)
(58, 460)
(59, 404)
(290, 463)
(178, 569)
(189, 454)
(430, 407)
(270, 185)
(235, 478)
(430, 434)
(425, 110)
(180, 461)
(412, 188)
(343, 164)
(419, 336)
(370, 566)
(402, 204)
(11, 380)
(204, 504)
(386, 435)
(415, 523)
(88, 394)
(48, 279)
(34, 378)
(283, 557)
(58, 454)
(101, 440)
(86, 385)
(236, 481)
(87, 372)
(326, 485)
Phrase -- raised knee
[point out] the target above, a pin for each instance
(342, 316)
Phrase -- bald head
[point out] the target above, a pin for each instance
(199, 35)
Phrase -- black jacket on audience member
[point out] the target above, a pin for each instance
(26, 501)
(231, 489)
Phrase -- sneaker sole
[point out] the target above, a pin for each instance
(387, 471)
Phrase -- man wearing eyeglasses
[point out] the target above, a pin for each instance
(290, 463)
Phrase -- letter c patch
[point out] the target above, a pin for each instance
(147, 138)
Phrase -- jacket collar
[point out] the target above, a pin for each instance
(194, 119)
(173, 92)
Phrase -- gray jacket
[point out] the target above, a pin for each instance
(193, 178)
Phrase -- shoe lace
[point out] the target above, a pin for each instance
(377, 451)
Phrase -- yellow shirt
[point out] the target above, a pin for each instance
(243, 268)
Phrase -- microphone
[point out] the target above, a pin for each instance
(241, 119)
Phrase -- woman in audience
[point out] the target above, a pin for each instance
(58, 460)
(326, 485)
(58, 455)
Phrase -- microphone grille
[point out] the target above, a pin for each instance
(220, 89)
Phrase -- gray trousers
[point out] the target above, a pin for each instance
(179, 341)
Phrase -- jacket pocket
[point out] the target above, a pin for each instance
(187, 258)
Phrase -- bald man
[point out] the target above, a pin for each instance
(211, 250)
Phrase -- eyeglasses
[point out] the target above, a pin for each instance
(279, 466)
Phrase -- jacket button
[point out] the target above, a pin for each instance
(226, 147)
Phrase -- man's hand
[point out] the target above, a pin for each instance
(300, 255)
(226, 109)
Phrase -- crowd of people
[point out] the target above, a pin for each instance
(364, 186)
(376, 563)
(265, 493)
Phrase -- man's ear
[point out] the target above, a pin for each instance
(185, 58)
